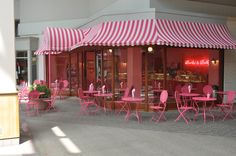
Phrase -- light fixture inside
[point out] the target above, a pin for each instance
(150, 49)
(110, 50)
(214, 61)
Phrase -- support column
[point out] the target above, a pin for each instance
(9, 108)
(134, 69)
(29, 65)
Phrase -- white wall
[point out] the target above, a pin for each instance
(7, 48)
(98, 5)
(230, 60)
(191, 11)
(34, 19)
(186, 6)
(52, 10)
(17, 9)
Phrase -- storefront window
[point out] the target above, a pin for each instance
(107, 69)
(21, 67)
(59, 65)
(120, 72)
(155, 73)
(193, 67)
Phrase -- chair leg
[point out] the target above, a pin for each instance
(161, 116)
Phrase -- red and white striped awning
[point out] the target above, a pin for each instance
(122, 33)
(57, 40)
(159, 32)
(193, 34)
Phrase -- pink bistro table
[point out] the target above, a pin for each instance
(204, 100)
(188, 97)
(103, 97)
(136, 101)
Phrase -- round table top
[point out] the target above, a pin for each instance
(90, 91)
(189, 94)
(204, 99)
(157, 90)
(103, 94)
(132, 99)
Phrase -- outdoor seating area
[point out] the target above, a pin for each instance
(190, 105)
(88, 132)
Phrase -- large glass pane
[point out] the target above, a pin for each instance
(59, 67)
(90, 69)
(155, 73)
(107, 69)
(21, 70)
(120, 72)
(21, 67)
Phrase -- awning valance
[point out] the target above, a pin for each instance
(57, 40)
(159, 32)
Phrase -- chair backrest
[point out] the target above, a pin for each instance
(178, 99)
(37, 82)
(80, 93)
(230, 96)
(207, 89)
(34, 95)
(184, 89)
(65, 83)
(163, 96)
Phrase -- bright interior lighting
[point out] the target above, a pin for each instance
(58, 132)
(150, 49)
(69, 145)
(110, 50)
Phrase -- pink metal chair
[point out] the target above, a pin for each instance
(227, 107)
(51, 101)
(159, 109)
(33, 101)
(207, 89)
(122, 104)
(23, 94)
(183, 108)
(62, 87)
(85, 102)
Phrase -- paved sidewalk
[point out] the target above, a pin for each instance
(66, 132)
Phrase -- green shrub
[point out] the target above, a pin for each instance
(42, 88)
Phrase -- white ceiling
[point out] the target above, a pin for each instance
(221, 2)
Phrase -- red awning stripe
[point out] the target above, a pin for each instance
(159, 32)
(57, 40)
